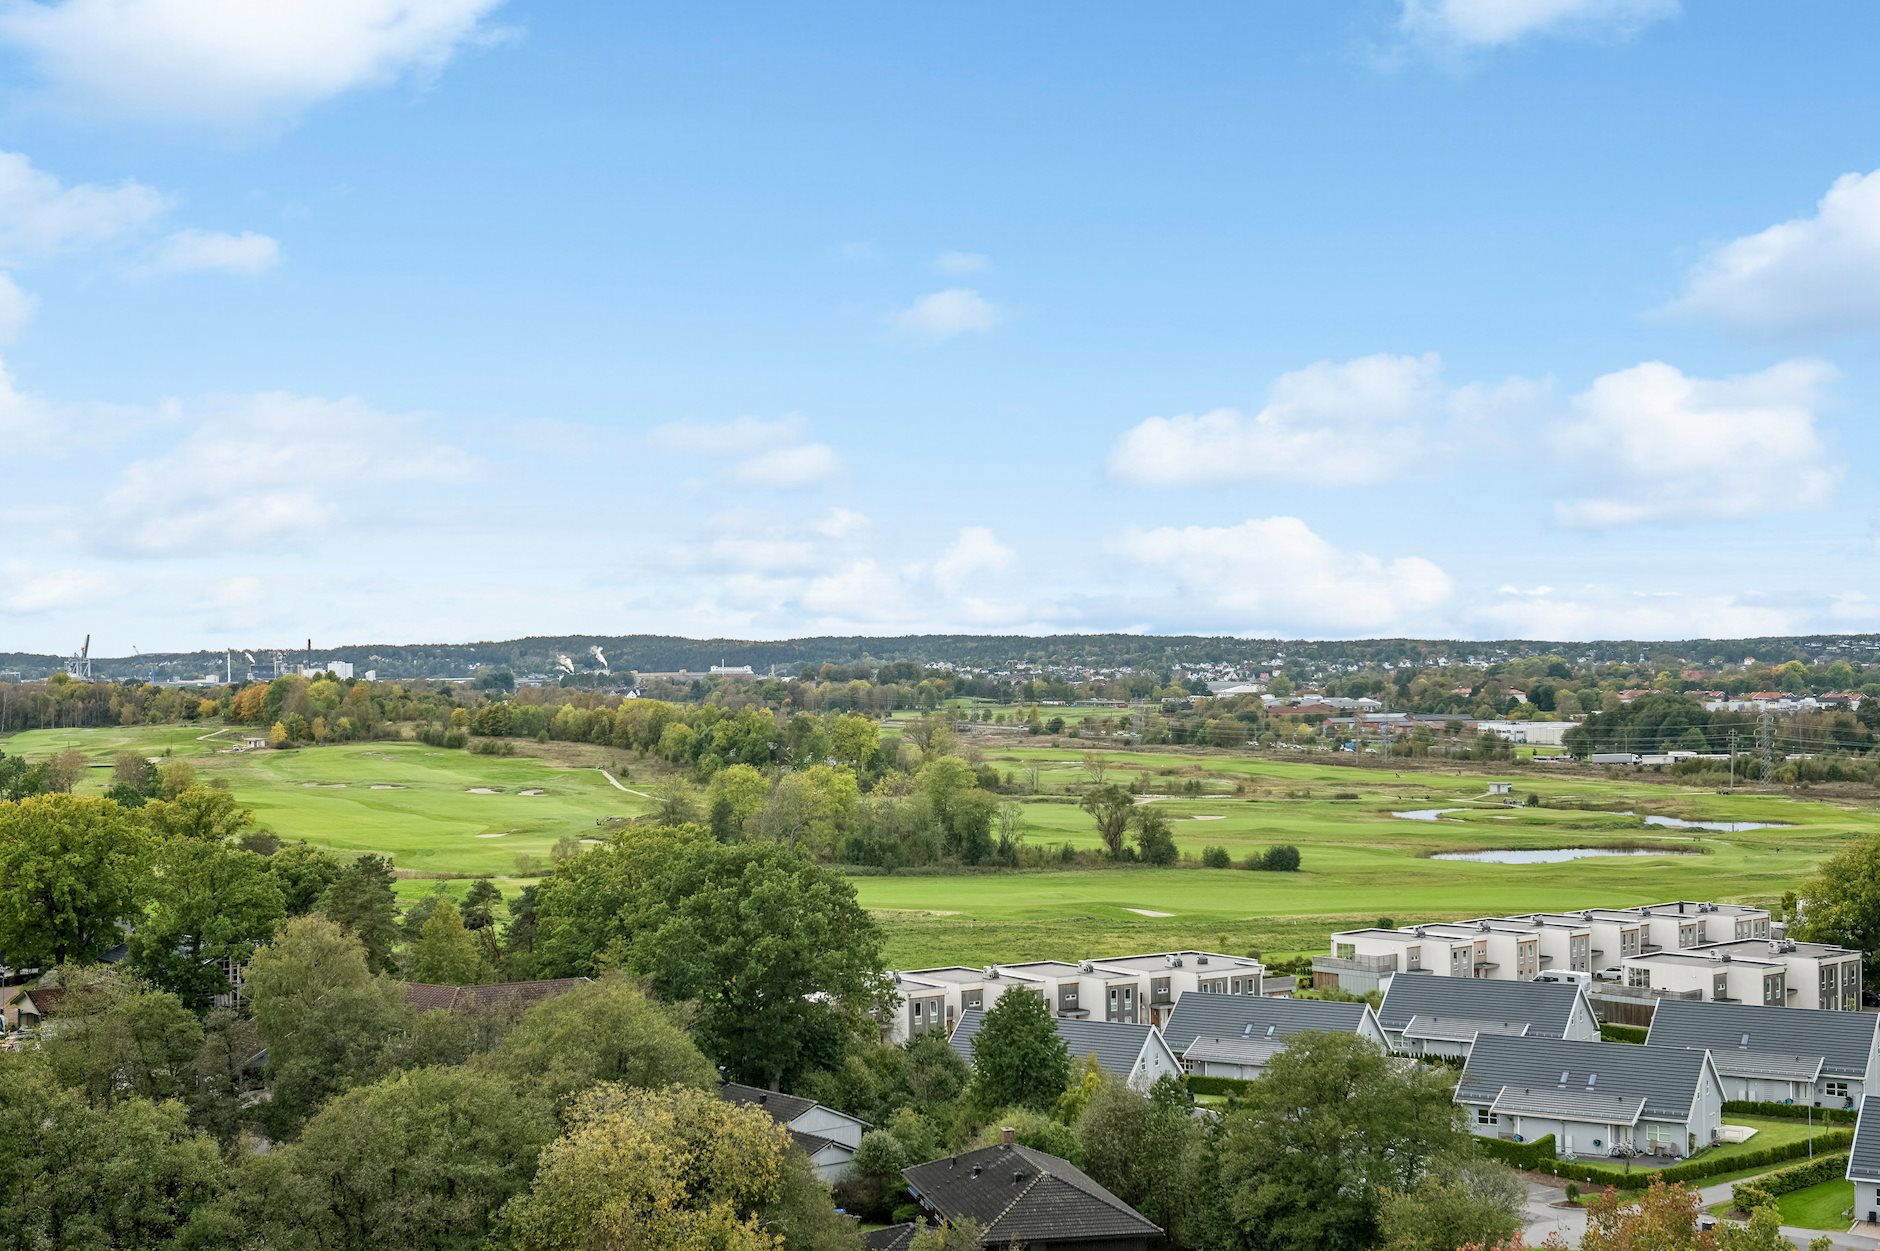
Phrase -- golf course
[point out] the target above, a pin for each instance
(446, 816)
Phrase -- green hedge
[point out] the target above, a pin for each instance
(1698, 1169)
(1797, 1111)
(1216, 1085)
(1622, 1033)
(1761, 1192)
(1528, 1155)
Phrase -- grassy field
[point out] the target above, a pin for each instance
(1822, 1206)
(422, 807)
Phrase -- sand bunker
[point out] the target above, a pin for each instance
(1202, 816)
(1148, 912)
(484, 790)
(498, 834)
(386, 786)
(595, 842)
(531, 792)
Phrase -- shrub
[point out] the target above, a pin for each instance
(1573, 1192)
(1622, 1033)
(1215, 1085)
(1761, 1192)
(1744, 1107)
(1216, 858)
(1281, 860)
(1528, 1155)
(1698, 1169)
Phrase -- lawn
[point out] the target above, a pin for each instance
(1821, 1206)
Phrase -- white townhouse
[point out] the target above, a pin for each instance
(1803, 1056)
(1137, 989)
(1445, 1016)
(1236, 1036)
(1776, 972)
(1596, 1099)
(1135, 1053)
(1863, 1161)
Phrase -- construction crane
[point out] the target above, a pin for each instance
(79, 664)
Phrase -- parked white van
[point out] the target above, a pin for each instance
(1571, 976)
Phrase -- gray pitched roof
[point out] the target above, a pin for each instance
(1459, 1029)
(784, 1108)
(1573, 1105)
(1018, 1195)
(1227, 1016)
(1863, 1161)
(1666, 1078)
(1764, 1064)
(1255, 1051)
(1115, 1044)
(1546, 1006)
(1843, 1040)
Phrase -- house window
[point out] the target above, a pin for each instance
(1834, 1090)
(1661, 1133)
(1638, 977)
(1485, 1117)
(1720, 986)
(1773, 990)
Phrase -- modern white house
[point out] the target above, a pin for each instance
(1140, 989)
(1445, 1016)
(1135, 1053)
(1596, 1099)
(1776, 972)
(827, 1136)
(1863, 1161)
(1804, 1056)
(1236, 1036)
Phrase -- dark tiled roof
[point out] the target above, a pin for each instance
(1020, 1195)
(1546, 1006)
(1115, 1044)
(1665, 1077)
(783, 1108)
(890, 1238)
(1863, 1162)
(1227, 1016)
(1843, 1040)
(810, 1144)
(431, 997)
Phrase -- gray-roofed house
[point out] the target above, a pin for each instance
(1782, 1055)
(1136, 1053)
(1595, 1098)
(827, 1136)
(1426, 1015)
(1235, 1036)
(1027, 1198)
(1863, 1161)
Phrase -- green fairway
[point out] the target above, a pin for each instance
(1822, 1206)
(419, 805)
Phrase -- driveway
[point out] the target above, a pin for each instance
(1543, 1219)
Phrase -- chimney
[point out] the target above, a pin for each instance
(1007, 1135)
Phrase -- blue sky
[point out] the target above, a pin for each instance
(393, 320)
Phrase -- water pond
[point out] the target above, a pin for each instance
(1555, 855)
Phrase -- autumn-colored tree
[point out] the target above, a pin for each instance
(277, 735)
(654, 1170)
(1664, 1218)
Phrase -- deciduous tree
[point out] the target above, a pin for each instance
(1018, 1058)
(70, 870)
(209, 904)
(1112, 807)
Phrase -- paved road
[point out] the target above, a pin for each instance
(1543, 1218)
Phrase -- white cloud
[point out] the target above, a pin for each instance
(1812, 275)
(842, 524)
(231, 64)
(1275, 574)
(736, 437)
(946, 314)
(859, 590)
(1664, 447)
(64, 588)
(974, 550)
(40, 216)
(24, 419)
(269, 469)
(191, 251)
(950, 262)
(17, 307)
(1604, 612)
(1494, 23)
(788, 468)
(1358, 421)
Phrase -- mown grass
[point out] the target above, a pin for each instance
(1821, 1206)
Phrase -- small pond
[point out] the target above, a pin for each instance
(1555, 855)
(1721, 827)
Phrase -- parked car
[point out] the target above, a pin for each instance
(1611, 973)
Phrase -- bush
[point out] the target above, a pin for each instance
(1215, 1085)
(1698, 1169)
(1528, 1155)
(1796, 1111)
(1762, 1191)
(1281, 860)
(1622, 1033)
(1216, 858)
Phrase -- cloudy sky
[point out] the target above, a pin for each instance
(396, 320)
